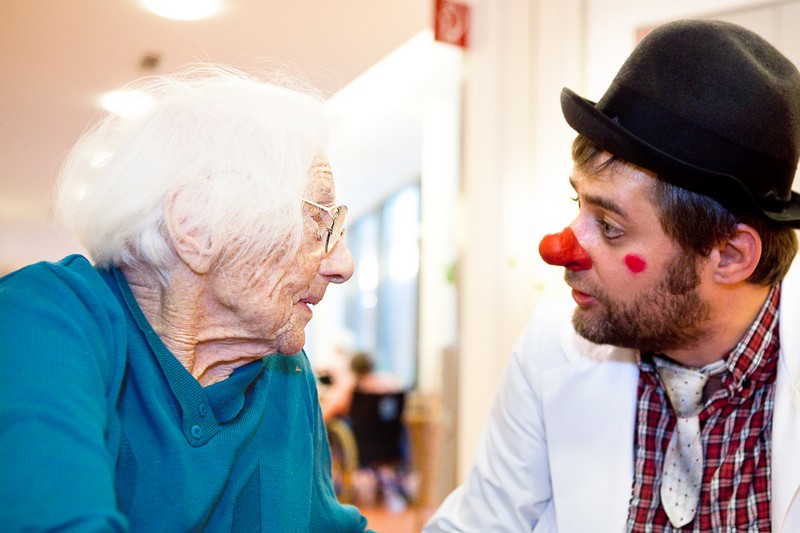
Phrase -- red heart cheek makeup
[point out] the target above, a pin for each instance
(563, 249)
(635, 263)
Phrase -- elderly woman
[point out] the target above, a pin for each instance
(163, 387)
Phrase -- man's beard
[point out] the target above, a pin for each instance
(668, 316)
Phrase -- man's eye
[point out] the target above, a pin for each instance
(609, 231)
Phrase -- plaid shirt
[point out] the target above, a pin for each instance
(736, 430)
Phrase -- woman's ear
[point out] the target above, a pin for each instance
(193, 244)
(737, 256)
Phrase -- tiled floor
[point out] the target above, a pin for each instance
(381, 520)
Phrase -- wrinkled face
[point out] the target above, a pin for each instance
(272, 302)
(638, 289)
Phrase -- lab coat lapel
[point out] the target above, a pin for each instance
(589, 411)
(786, 417)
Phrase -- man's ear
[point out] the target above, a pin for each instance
(737, 256)
(192, 243)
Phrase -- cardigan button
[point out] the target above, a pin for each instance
(197, 431)
(202, 409)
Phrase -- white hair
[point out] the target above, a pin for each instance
(249, 142)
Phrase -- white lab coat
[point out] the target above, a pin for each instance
(556, 454)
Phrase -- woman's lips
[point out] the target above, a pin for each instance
(306, 309)
(308, 304)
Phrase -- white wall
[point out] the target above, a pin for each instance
(29, 240)
(510, 114)
(611, 31)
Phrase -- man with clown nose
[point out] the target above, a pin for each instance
(665, 394)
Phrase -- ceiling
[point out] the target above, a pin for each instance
(57, 57)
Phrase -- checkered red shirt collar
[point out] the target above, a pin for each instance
(736, 434)
(746, 360)
(745, 363)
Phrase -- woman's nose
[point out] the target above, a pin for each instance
(338, 265)
(563, 249)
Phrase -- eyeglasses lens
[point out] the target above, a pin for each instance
(336, 228)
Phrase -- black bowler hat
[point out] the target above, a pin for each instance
(709, 106)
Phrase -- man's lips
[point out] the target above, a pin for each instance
(583, 299)
(575, 282)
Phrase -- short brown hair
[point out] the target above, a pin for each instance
(362, 364)
(697, 222)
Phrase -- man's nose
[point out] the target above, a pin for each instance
(563, 249)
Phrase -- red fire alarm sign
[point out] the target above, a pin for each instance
(451, 24)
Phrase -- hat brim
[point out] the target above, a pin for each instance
(584, 117)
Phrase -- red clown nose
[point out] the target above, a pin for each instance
(562, 249)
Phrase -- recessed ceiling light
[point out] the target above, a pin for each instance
(184, 9)
(126, 103)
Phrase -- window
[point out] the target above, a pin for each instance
(382, 300)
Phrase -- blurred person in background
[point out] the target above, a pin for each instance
(377, 415)
(162, 386)
(368, 379)
(335, 379)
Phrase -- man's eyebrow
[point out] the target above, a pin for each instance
(599, 201)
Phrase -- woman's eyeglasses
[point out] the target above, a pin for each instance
(335, 230)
